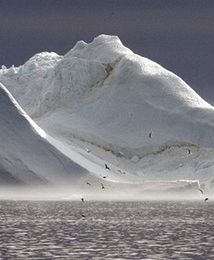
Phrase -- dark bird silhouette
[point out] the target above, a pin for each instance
(206, 199)
(82, 199)
(189, 151)
(104, 177)
(201, 191)
(102, 186)
(88, 183)
(83, 215)
(106, 167)
(150, 135)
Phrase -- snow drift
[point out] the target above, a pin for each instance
(126, 109)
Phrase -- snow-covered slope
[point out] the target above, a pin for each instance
(125, 108)
(25, 155)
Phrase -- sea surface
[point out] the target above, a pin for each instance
(109, 230)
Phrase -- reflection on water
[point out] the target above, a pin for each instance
(110, 230)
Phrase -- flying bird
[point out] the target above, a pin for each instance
(102, 186)
(83, 215)
(104, 177)
(88, 183)
(106, 167)
(201, 191)
(206, 199)
(189, 151)
(82, 199)
(150, 135)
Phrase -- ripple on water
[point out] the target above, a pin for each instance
(122, 230)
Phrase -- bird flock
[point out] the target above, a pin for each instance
(123, 172)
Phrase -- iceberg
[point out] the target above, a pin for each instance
(99, 103)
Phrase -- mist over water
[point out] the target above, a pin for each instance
(114, 230)
(101, 190)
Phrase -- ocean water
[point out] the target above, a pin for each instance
(109, 230)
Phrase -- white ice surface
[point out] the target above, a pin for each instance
(103, 103)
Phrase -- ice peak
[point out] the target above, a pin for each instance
(104, 38)
(79, 45)
(42, 60)
(104, 49)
